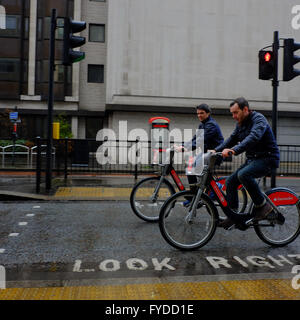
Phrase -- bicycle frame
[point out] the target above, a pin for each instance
(166, 170)
(278, 197)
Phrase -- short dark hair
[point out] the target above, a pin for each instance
(241, 101)
(204, 107)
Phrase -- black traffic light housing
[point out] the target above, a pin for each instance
(289, 59)
(266, 64)
(70, 41)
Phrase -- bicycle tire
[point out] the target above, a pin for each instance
(281, 235)
(141, 204)
(180, 233)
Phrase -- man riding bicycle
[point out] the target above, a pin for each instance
(254, 136)
(212, 135)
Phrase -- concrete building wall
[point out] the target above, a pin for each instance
(180, 53)
(92, 95)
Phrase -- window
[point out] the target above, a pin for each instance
(9, 69)
(96, 73)
(93, 125)
(13, 27)
(43, 72)
(59, 32)
(97, 32)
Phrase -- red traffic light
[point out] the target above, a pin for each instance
(267, 57)
(266, 64)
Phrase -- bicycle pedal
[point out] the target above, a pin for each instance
(231, 227)
(248, 222)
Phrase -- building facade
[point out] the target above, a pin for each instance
(145, 58)
(79, 90)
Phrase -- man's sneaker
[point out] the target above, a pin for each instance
(262, 212)
(226, 224)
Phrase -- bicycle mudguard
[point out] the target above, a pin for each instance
(282, 196)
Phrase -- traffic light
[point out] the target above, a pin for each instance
(70, 41)
(266, 64)
(289, 59)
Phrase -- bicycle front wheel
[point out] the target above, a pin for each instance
(143, 200)
(183, 230)
(274, 233)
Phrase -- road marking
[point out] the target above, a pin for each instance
(13, 234)
(23, 223)
(2, 250)
(30, 214)
(36, 207)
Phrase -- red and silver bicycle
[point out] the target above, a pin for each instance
(189, 228)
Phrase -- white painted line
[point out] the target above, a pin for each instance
(13, 234)
(36, 207)
(30, 214)
(23, 223)
(2, 250)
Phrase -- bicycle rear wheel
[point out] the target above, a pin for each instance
(142, 202)
(181, 230)
(274, 233)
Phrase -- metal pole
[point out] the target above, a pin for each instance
(38, 165)
(66, 158)
(50, 101)
(275, 84)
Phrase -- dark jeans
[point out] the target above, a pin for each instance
(246, 174)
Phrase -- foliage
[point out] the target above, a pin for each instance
(65, 130)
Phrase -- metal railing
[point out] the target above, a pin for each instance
(76, 156)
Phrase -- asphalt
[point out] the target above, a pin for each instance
(16, 186)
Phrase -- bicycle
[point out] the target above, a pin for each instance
(149, 194)
(193, 227)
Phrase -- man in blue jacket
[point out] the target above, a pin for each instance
(212, 134)
(254, 136)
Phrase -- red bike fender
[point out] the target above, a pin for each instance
(282, 196)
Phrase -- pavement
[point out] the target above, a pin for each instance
(21, 186)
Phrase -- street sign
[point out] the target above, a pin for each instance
(13, 115)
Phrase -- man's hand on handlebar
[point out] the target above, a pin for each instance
(227, 153)
(179, 148)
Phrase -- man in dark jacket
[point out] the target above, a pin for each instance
(212, 134)
(254, 136)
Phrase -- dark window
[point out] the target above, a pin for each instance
(97, 32)
(9, 69)
(93, 125)
(59, 33)
(12, 28)
(96, 73)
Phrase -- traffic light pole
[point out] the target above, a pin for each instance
(50, 101)
(275, 84)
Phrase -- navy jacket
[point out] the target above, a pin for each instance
(255, 137)
(212, 134)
